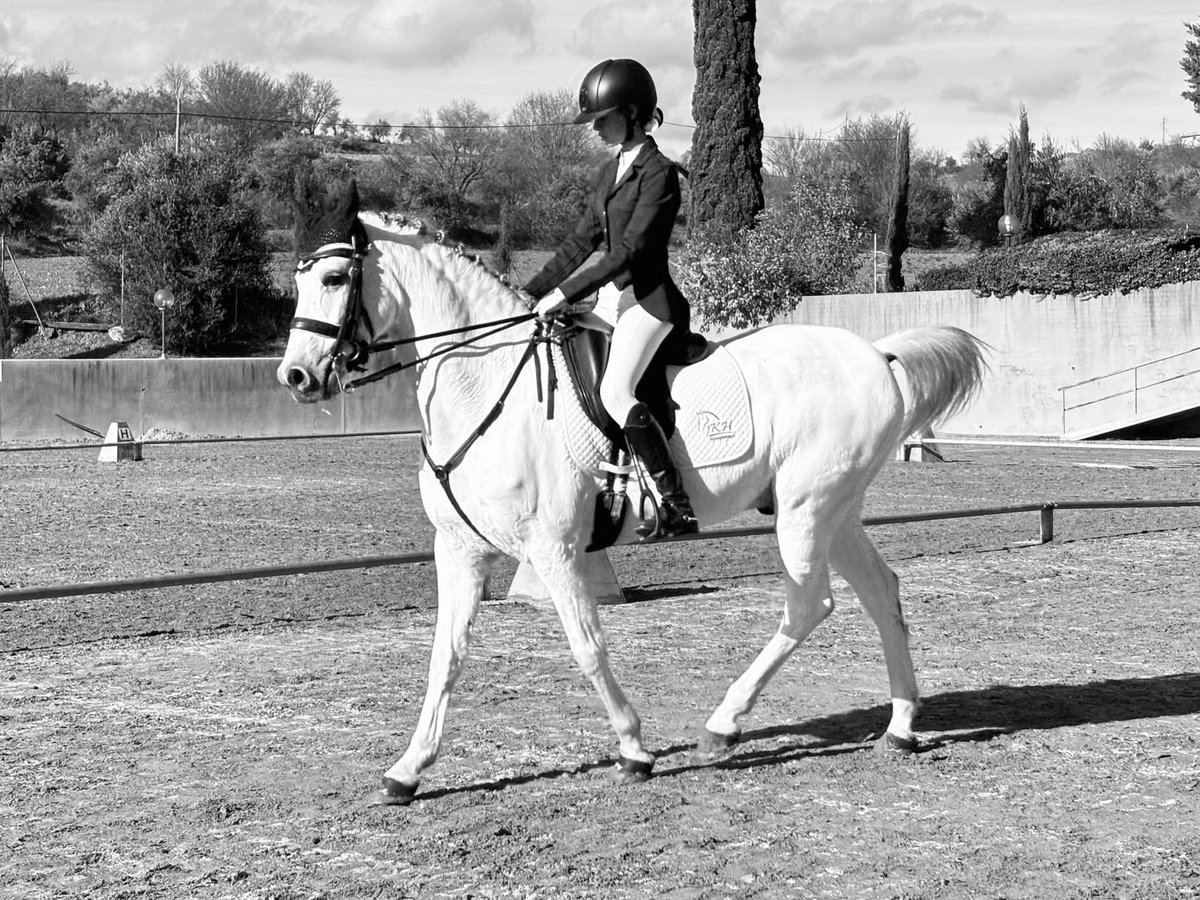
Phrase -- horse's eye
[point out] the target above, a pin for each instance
(333, 279)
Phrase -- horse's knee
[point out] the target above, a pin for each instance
(801, 618)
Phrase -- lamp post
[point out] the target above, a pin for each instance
(1007, 226)
(164, 300)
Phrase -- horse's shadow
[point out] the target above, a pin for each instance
(947, 718)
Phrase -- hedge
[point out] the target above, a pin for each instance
(1093, 263)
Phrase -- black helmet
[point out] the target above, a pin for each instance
(613, 83)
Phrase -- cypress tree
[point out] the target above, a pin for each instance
(726, 162)
(1017, 198)
(5, 317)
(897, 230)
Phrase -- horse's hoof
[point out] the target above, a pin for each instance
(394, 793)
(899, 746)
(631, 771)
(713, 746)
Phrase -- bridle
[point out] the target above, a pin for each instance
(354, 353)
(346, 349)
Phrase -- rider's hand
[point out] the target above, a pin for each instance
(552, 303)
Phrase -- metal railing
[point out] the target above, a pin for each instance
(1134, 388)
(1045, 510)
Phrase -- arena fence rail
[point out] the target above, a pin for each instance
(1045, 510)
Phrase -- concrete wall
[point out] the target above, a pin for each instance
(1040, 344)
(197, 397)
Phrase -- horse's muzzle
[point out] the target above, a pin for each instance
(305, 387)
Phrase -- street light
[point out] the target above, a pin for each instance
(164, 300)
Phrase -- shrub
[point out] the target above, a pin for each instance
(1081, 263)
(184, 224)
(806, 245)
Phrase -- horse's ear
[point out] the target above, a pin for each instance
(343, 203)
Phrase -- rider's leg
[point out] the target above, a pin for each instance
(635, 339)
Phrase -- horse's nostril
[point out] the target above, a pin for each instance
(297, 377)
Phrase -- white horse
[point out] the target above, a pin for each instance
(826, 411)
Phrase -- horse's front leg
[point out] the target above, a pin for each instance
(462, 578)
(565, 577)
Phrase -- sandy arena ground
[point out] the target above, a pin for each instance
(219, 741)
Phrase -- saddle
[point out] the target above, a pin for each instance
(586, 342)
(708, 400)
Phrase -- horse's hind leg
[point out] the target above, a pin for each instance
(461, 581)
(856, 559)
(808, 602)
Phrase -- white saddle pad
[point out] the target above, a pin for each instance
(712, 424)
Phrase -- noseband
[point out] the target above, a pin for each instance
(345, 348)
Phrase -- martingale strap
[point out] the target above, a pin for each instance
(442, 472)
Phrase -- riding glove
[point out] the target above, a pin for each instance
(553, 302)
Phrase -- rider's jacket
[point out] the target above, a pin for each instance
(630, 220)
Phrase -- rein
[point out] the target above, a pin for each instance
(356, 357)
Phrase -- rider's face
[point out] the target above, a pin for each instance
(612, 127)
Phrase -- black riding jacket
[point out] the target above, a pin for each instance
(631, 221)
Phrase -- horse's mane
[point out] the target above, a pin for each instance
(469, 268)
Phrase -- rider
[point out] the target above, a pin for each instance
(630, 212)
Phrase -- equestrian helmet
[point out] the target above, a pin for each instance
(613, 83)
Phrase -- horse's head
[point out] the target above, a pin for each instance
(346, 311)
(330, 328)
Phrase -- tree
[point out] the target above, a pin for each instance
(379, 130)
(248, 103)
(177, 82)
(806, 245)
(181, 221)
(978, 189)
(1017, 188)
(897, 230)
(311, 103)
(539, 176)
(726, 161)
(32, 165)
(5, 318)
(454, 151)
(1191, 64)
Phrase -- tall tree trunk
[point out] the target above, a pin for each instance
(726, 163)
(897, 231)
(5, 316)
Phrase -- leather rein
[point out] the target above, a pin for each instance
(354, 353)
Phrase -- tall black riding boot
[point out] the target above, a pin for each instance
(649, 444)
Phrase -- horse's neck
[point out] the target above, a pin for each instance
(446, 291)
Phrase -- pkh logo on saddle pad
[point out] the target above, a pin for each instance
(712, 424)
(717, 429)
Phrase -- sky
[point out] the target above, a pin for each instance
(959, 69)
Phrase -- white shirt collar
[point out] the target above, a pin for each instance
(625, 159)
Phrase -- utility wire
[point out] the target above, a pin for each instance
(418, 126)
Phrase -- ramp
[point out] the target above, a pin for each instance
(1156, 400)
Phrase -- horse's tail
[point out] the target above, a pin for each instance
(943, 367)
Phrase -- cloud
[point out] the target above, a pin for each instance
(404, 37)
(657, 33)
(848, 28)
